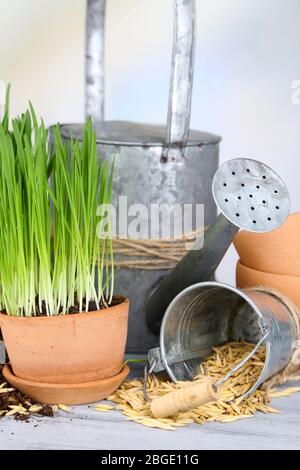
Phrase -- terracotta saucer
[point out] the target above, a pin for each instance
(68, 394)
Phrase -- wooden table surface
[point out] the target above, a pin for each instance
(85, 428)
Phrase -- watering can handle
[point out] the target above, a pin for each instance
(179, 110)
(94, 59)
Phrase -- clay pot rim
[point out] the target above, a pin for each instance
(282, 228)
(289, 276)
(68, 317)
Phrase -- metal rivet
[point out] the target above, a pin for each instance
(254, 221)
(224, 184)
(239, 197)
(257, 187)
(248, 171)
(275, 191)
(269, 218)
(237, 214)
(250, 195)
(277, 207)
(264, 177)
(242, 184)
(226, 200)
(252, 208)
(233, 173)
(264, 202)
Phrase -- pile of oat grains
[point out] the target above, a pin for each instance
(231, 407)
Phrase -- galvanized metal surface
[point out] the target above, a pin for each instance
(282, 332)
(198, 265)
(94, 57)
(135, 134)
(181, 81)
(250, 196)
(210, 314)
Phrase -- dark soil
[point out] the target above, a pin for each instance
(15, 398)
(93, 307)
(75, 308)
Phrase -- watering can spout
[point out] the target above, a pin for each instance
(249, 195)
(197, 265)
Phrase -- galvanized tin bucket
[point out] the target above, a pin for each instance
(154, 164)
(210, 314)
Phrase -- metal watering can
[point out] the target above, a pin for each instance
(154, 164)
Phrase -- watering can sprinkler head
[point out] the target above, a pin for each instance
(250, 196)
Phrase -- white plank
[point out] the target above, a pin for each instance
(88, 429)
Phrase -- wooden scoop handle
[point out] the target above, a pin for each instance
(185, 399)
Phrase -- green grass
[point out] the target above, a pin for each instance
(51, 211)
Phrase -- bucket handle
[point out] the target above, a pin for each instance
(181, 82)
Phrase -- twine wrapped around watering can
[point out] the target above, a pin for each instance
(152, 254)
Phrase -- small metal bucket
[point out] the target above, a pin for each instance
(210, 314)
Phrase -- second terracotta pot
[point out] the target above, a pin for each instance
(66, 349)
(287, 285)
(273, 252)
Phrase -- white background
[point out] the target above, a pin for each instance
(248, 56)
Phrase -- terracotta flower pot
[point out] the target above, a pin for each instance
(67, 349)
(288, 285)
(274, 252)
